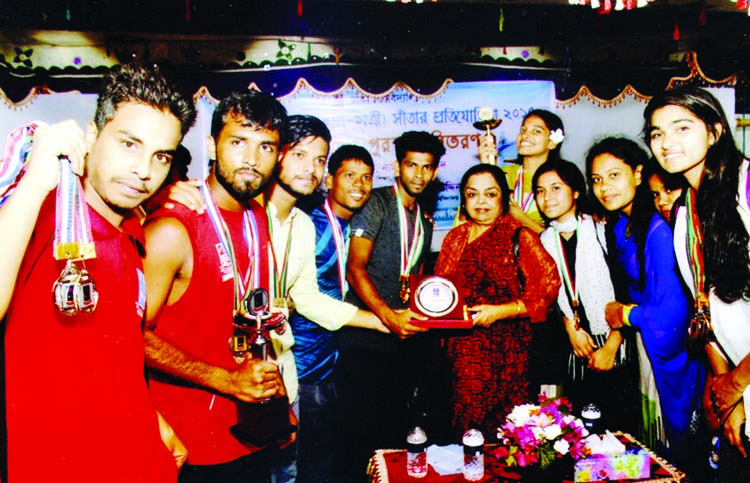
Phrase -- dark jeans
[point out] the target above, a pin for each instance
(376, 376)
(733, 467)
(319, 433)
(252, 468)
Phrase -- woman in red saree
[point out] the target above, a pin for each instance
(504, 293)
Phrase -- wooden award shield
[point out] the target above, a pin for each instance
(439, 298)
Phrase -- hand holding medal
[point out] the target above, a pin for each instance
(45, 145)
(74, 291)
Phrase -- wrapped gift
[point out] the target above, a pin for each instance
(611, 459)
(633, 464)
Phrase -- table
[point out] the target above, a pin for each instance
(389, 466)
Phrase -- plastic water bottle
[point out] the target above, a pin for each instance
(416, 457)
(591, 417)
(473, 455)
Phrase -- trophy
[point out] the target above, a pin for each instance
(440, 300)
(488, 141)
(265, 421)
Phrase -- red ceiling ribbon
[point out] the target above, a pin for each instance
(702, 18)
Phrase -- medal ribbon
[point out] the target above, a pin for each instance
(409, 259)
(700, 330)
(342, 247)
(695, 245)
(526, 203)
(250, 232)
(73, 238)
(279, 276)
(17, 149)
(570, 283)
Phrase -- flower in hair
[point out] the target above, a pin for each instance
(557, 136)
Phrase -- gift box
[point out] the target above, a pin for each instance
(633, 464)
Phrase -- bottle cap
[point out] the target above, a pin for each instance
(473, 438)
(416, 440)
(591, 412)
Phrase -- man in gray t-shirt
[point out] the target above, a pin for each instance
(390, 239)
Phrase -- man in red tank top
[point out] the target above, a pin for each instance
(191, 262)
(78, 409)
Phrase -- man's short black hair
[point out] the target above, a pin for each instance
(301, 126)
(347, 152)
(419, 142)
(253, 108)
(138, 83)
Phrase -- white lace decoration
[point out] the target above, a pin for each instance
(568, 226)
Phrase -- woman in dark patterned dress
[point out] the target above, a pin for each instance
(505, 293)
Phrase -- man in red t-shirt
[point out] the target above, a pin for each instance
(191, 260)
(78, 408)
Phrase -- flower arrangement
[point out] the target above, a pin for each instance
(541, 433)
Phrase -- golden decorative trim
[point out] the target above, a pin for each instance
(23, 103)
(695, 71)
(585, 93)
(350, 83)
(691, 58)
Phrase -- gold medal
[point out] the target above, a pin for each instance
(239, 343)
(238, 346)
(405, 289)
(279, 304)
(576, 317)
(700, 329)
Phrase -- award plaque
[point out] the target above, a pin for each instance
(439, 299)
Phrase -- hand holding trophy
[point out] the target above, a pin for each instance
(265, 421)
(488, 141)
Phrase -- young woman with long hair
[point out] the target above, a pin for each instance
(602, 365)
(539, 140)
(649, 291)
(689, 133)
(665, 187)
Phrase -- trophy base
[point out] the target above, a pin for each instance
(264, 422)
(444, 323)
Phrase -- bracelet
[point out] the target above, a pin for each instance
(518, 308)
(625, 314)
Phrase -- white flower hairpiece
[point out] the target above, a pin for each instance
(557, 136)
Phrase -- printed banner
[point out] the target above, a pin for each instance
(374, 121)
